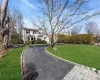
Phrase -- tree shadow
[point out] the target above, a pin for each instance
(30, 72)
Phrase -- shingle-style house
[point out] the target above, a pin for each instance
(29, 34)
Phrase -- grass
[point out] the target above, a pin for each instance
(10, 68)
(10, 65)
(88, 55)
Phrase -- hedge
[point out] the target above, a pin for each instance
(38, 41)
(75, 39)
(97, 39)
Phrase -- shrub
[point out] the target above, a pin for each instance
(61, 38)
(43, 42)
(21, 41)
(97, 39)
(16, 39)
(76, 38)
(38, 41)
(81, 38)
(28, 42)
(32, 42)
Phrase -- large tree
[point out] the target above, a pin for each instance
(92, 28)
(3, 12)
(76, 29)
(41, 25)
(16, 23)
(3, 30)
(62, 14)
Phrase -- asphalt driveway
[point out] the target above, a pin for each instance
(48, 67)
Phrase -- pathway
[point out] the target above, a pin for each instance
(47, 66)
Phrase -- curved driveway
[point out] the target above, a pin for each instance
(48, 67)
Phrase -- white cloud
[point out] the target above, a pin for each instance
(29, 4)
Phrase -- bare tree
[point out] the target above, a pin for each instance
(16, 23)
(3, 12)
(12, 30)
(3, 23)
(76, 29)
(19, 20)
(63, 14)
(41, 25)
(92, 28)
(8, 21)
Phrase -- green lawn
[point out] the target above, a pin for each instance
(88, 55)
(10, 68)
(10, 65)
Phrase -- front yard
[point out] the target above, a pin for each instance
(88, 55)
(10, 65)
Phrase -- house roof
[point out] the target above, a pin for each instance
(30, 29)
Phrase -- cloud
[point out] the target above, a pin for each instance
(29, 4)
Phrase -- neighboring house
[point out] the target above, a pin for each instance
(29, 34)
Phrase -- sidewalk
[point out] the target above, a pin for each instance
(79, 73)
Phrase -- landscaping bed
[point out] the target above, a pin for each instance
(88, 55)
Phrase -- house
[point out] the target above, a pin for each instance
(29, 34)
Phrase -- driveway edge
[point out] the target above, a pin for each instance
(61, 58)
(76, 64)
(22, 61)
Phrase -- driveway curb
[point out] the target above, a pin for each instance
(22, 61)
(76, 64)
(61, 58)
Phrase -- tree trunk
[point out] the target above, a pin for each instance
(6, 36)
(53, 41)
(1, 41)
(2, 20)
(3, 12)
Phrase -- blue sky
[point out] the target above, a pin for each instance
(30, 10)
